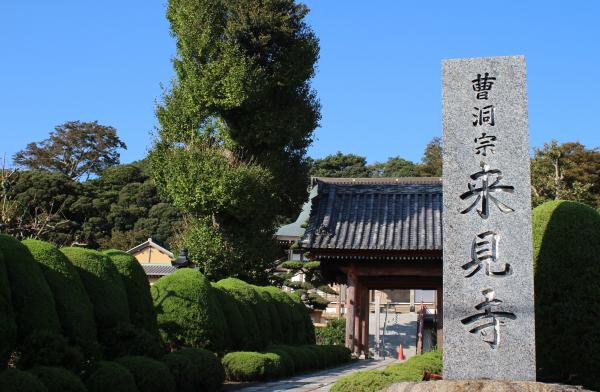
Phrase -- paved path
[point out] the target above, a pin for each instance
(400, 328)
(311, 382)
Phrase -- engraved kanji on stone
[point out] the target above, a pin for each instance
(489, 184)
(485, 143)
(484, 115)
(487, 323)
(484, 254)
(483, 85)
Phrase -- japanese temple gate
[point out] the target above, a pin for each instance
(376, 234)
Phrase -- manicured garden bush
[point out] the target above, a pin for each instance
(13, 380)
(8, 327)
(74, 308)
(250, 326)
(236, 337)
(32, 300)
(125, 339)
(284, 311)
(566, 242)
(103, 285)
(49, 349)
(301, 357)
(188, 313)
(58, 379)
(149, 375)
(269, 301)
(252, 366)
(333, 333)
(305, 328)
(248, 295)
(195, 369)
(141, 308)
(412, 369)
(110, 377)
(287, 361)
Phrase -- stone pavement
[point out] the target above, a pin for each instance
(400, 328)
(319, 381)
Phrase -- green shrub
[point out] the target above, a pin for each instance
(32, 299)
(125, 339)
(287, 361)
(253, 339)
(270, 303)
(149, 375)
(58, 379)
(8, 327)
(375, 380)
(103, 285)
(284, 310)
(195, 369)
(236, 337)
(49, 349)
(566, 242)
(13, 380)
(74, 308)
(252, 366)
(141, 308)
(187, 311)
(249, 295)
(332, 334)
(110, 377)
(303, 322)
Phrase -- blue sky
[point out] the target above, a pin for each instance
(378, 77)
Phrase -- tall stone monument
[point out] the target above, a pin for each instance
(489, 330)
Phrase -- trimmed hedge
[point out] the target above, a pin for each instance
(284, 311)
(44, 348)
(110, 377)
(149, 375)
(195, 369)
(13, 380)
(252, 366)
(248, 295)
(251, 328)
(8, 326)
(187, 311)
(236, 336)
(103, 284)
(74, 308)
(276, 329)
(125, 339)
(305, 327)
(58, 379)
(566, 242)
(32, 299)
(141, 308)
(377, 380)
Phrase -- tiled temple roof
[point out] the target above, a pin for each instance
(376, 214)
(158, 269)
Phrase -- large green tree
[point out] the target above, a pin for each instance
(235, 125)
(340, 165)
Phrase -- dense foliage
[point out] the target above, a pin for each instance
(333, 333)
(103, 285)
(236, 336)
(141, 308)
(251, 366)
(187, 311)
(312, 283)
(8, 327)
(195, 370)
(44, 348)
(110, 377)
(149, 375)
(235, 125)
(14, 380)
(377, 380)
(58, 379)
(566, 239)
(32, 299)
(74, 308)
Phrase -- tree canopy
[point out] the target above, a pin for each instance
(235, 124)
(76, 149)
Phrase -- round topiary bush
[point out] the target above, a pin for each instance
(187, 311)
(287, 361)
(32, 299)
(141, 308)
(74, 308)
(58, 379)
(253, 309)
(103, 285)
(13, 380)
(284, 310)
(566, 243)
(270, 303)
(365, 381)
(125, 339)
(305, 330)
(8, 327)
(44, 348)
(195, 369)
(252, 366)
(237, 338)
(149, 375)
(110, 377)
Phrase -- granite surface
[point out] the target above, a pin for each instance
(489, 330)
(482, 386)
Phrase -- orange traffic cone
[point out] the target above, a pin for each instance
(400, 353)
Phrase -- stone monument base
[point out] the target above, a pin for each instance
(481, 386)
